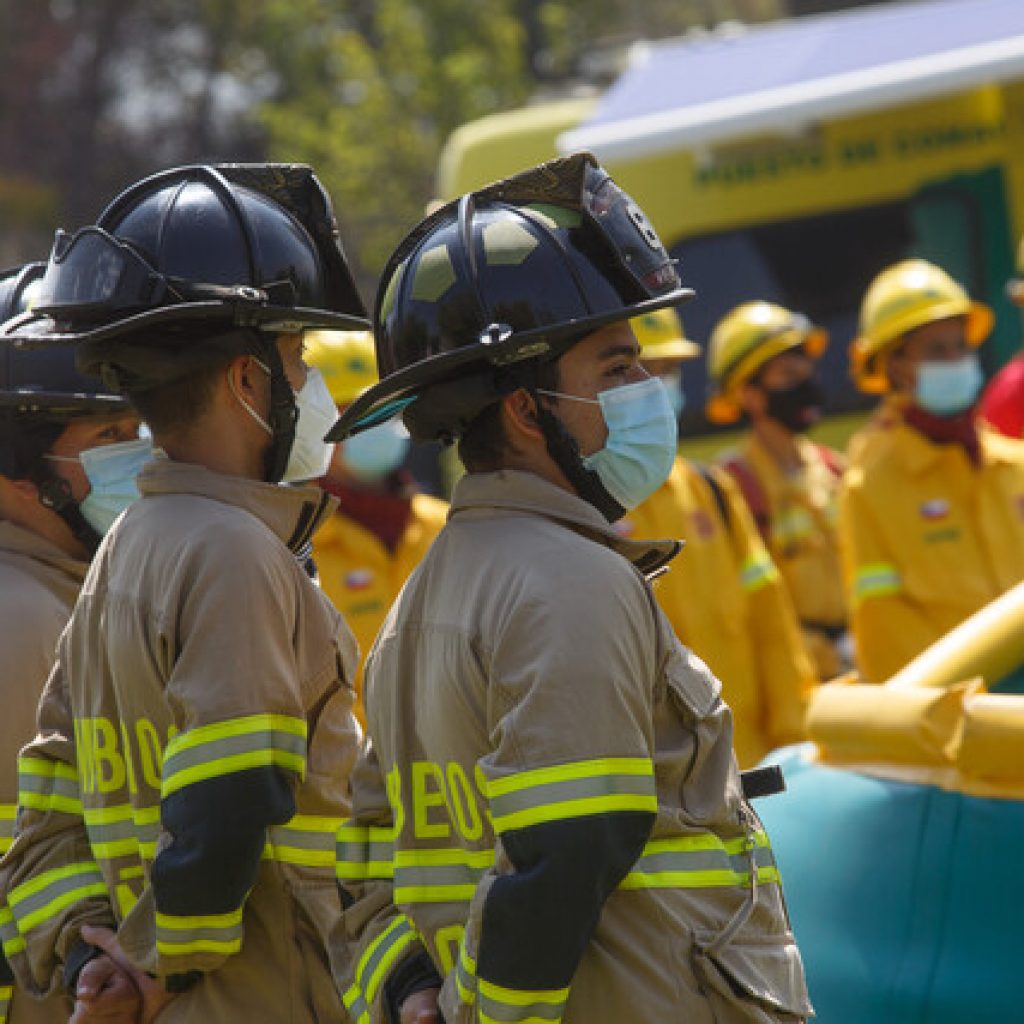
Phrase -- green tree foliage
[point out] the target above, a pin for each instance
(378, 92)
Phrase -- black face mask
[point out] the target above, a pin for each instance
(797, 407)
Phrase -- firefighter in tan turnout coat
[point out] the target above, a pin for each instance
(549, 824)
(196, 734)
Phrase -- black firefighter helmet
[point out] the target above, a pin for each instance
(489, 286)
(41, 390)
(193, 266)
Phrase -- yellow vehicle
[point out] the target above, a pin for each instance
(791, 162)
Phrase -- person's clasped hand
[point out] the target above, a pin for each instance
(112, 990)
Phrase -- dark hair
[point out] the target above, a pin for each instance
(483, 445)
(178, 403)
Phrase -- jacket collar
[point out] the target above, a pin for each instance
(520, 491)
(293, 514)
(918, 454)
(25, 542)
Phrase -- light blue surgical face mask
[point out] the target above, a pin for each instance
(374, 454)
(638, 454)
(674, 389)
(111, 470)
(947, 388)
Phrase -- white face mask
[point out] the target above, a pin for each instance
(310, 455)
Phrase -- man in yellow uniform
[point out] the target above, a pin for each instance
(723, 595)
(383, 525)
(932, 512)
(551, 786)
(196, 736)
(69, 454)
(761, 366)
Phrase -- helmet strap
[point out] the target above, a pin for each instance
(565, 451)
(55, 494)
(283, 415)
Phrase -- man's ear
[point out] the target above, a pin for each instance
(519, 411)
(242, 372)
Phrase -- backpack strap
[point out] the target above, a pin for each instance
(833, 460)
(753, 492)
(717, 492)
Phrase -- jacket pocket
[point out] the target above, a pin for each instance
(691, 684)
(753, 980)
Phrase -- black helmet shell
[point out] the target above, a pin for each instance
(189, 254)
(519, 271)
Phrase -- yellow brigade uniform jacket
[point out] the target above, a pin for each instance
(193, 760)
(551, 810)
(362, 577)
(725, 599)
(38, 587)
(797, 515)
(928, 538)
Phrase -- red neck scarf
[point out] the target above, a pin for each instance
(383, 511)
(959, 429)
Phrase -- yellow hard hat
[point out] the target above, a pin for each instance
(661, 336)
(902, 297)
(1015, 286)
(743, 341)
(347, 359)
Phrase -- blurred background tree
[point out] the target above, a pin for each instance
(96, 93)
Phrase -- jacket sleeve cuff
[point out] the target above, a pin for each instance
(78, 956)
(413, 974)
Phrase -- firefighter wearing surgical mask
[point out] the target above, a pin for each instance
(549, 821)
(383, 526)
(723, 596)
(174, 849)
(761, 364)
(932, 508)
(69, 455)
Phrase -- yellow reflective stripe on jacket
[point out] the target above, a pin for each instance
(757, 571)
(876, 580)
(374, 965)
(499, 1005)
(208, 933)
(702, 861)
(8, 816)
(572, 791)
(307, 840)
(364, 852)
(6, 995)
(45, 896)
(122, 830)
(211, 751)
(10, 938)
(439, 876)
(48, 785)
(465, 975)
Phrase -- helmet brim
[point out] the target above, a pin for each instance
(37, 330)
(399, 390)
(60, 404)
(680, 349)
